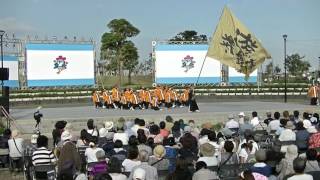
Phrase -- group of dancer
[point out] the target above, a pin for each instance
(160, 96)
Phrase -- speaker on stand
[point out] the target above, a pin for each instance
(4, 100)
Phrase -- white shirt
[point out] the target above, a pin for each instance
(287, 135)
(274, 125)
(93, 132)
(128, 164)
(118, 176)
(15, 151)
(122, 137)
(255, 121)
(210, 161)
(91, 154)
(301, 177)
(232, 124)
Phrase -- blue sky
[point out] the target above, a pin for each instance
(162, 19)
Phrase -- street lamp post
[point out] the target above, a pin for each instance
(1, 38)
(285, 67)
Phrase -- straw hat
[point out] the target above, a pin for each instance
(207, 150)
(103, 132)
(108, 125)
(15, 133)
(241, 114)
(290, 125)
(159, 151)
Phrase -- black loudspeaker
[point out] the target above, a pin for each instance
(4, 74)
(4, 100)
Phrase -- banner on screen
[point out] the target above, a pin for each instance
(59, 64)
(11, 62)
(181, 64)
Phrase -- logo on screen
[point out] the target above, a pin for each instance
(188, 63)
(60, 64)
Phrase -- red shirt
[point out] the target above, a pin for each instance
(164, 133)
(314, 140)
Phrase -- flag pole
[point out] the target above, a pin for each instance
(208, 48)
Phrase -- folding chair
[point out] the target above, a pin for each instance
(45, 172)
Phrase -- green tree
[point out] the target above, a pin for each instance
(129, 56)
(115, 45)
(277, 69)
(296, 66)
(189, 35)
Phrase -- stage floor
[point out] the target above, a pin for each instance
(213, 112)
(85, 112)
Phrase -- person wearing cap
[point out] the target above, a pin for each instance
(246, 126)
(260, 166)
(16, 148)
(29, 149)
(158, 159)
(287, 134)
(189, 144)
(121, 134)
(69, 161)
(285, 167)
(203, 173)
(151, 172)
(269, 118)
(207, 155)
(231, 123)
(241, 116)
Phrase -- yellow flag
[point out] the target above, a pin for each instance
(234, 45)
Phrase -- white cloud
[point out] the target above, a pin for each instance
(11, 24)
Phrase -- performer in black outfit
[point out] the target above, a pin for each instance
(193, 106)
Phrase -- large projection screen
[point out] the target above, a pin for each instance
(181, 64)
(236, 77)
(59, 64)
(11, 62)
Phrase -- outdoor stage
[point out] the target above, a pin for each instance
(209, 111)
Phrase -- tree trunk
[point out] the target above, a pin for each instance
(129, 77)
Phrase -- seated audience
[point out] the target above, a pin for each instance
(115, 169)
(207, 155)
(299, 165)
(311, 163)
(158, 159)
(260, 166)
(203, 173)
(285, 167)
(16, 149)
(181, 171)
(151, 172)
(132, 159)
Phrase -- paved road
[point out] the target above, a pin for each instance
(85, 112)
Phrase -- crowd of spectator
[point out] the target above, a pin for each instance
(279, 147)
